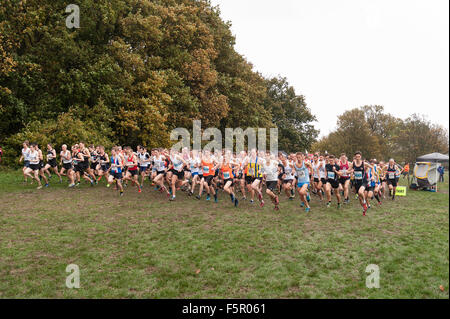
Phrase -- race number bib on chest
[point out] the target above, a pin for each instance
(391, 175)
(226, 175)
(206, 169)
(331, 175)
(358, 175)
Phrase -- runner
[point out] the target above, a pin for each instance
(254, 169)
(51, 162)
(177, 169)
(358, 169)
(288, 177)
(131, 162)
(159, 161)
(302, 168)
(26, 160)
(271, 171)
(103, 162)
(194, 165)
(318, 175)
(115, 174)
(226, 170)
(33, 167)
(94, 165)
(333, 171)
(344, 177)
(209, 167)
(88, 173)
(41, 165)
(66, 161)
(391, 171)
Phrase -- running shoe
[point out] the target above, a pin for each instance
(339, 206)
(302, 204)
(216, 200)
(46, 185)
(39, 187)
(307, 209)
(197, 197)
(328, 204)
(261, 203)
(172, 198)
(71, 185)
(259, 197)
(308, 198)
(236, 202)
(208, 198)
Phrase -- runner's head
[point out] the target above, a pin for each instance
(358, 156)
(331, 159)
(49, 146)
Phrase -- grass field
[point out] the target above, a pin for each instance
(142, 246)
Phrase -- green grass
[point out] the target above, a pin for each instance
(142, 246)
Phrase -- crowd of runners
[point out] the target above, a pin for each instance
(199, 173)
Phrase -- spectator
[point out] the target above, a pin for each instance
(441, 171)
(405, 171)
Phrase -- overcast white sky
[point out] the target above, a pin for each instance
(343, 54)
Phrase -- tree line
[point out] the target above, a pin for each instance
(132, 72)
(136, 69)
(380, 135)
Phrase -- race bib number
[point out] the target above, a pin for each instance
(391, 175)
(206, 169)
(331, 175)
(358, 175)
(226, 175)
(301, 174)
(250, 171)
